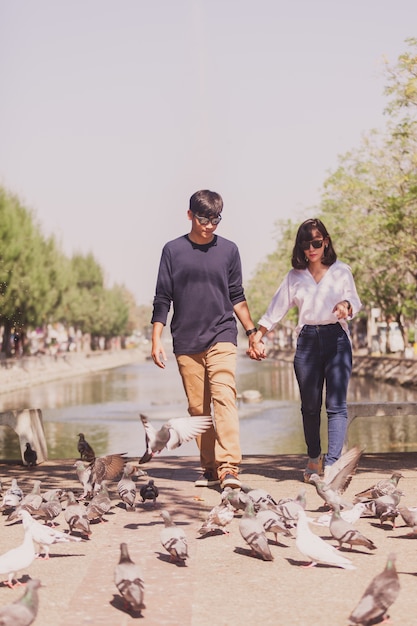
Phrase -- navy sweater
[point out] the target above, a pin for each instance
(203, 282)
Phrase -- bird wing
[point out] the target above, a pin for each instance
(342, 471)
(182, 429)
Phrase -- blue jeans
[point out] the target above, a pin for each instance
(323, 355)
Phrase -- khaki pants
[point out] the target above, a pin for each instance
(209, 380)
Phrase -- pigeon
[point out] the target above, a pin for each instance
(258, 496)
(237, 498)
(340, 474)
(217, 519)
(149, 492)
(272, 521)
(330, 496)
(12, 497)
(99, 505)
(49, 511)
(30, 502)
(126, 488)
(409, 516)
(52, 494)
(288, 509)
(383, 487)
(22, 612)
(344, 532)
(83, 470)
(253, 532)
(30, 456)
(44, 535)
(349, 515)
(76, 515)
(107, 467)
(172, 434)
(315, 548)
(173, 539)
(128, 579)
(17, 559)
(379, 595)
(85, 450)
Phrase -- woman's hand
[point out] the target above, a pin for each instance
(342, 310)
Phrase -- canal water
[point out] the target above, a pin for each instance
(105, 406)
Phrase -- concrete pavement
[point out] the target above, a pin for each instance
(221, 583)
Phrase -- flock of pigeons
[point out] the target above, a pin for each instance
(258, 512)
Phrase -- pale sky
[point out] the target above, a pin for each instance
(112, 113)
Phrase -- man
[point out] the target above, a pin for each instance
(200, 274)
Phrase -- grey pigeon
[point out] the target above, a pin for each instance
(17, 559)
(253, 532)
(409, 516)
(30, 502)
(22, 612)
(44, 536)
(52, 494)
(386, 507)
(272, 521)
(344, 532)
(380, 594)
(75, 515)
(288, 508)
(383, 487)
(258, 496)
(30, 456)
(315, 548)
(237, 498)
(99, 505)
(340, 474)
(126, 487)
(330, 496)
(173, 433)
(149, 491)
(173, 539)
(128, 579)
(107, 468)
(85, 451)
(12, 497)
(49, 511)
(218, 518)
(83, 470)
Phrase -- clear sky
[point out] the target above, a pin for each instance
(113, 112)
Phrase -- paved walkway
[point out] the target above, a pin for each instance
(221, 584)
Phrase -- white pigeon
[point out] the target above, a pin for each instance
(16, 559)
(315, 548)
(349, 515)
(172, 433)
(44, 535)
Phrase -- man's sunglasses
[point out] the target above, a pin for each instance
(316, 243)
(207, 220)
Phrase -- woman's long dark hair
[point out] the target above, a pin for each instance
(305, 233)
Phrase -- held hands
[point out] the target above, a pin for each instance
(256, 350)
(342, 310)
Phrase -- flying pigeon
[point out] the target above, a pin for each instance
(173, 539)
(99, 505)
(330, 496)
(107, 467)
(409, 516)
(383, 487)
(380, 594)
(22, 612)
(218, 518)
(340, 474)
(149, 491)
(30, 456)
(16, 559)
(172, 434)
(315, 548)
(85, 450)
(272, 521)
(76, 515)
(344, 532)
(44, 535)
(128, 578)
(253, 532)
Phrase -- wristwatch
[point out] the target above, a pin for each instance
(251, 331)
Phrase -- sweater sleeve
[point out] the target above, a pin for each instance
(236, 291)
(163, 292)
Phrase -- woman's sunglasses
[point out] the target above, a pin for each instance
(316, 243)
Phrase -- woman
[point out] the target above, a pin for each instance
(324, 291)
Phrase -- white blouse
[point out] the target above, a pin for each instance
(315, 301)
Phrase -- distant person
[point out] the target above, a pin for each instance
(200, 275)
(323, 290)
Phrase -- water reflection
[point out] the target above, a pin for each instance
(106, 405)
